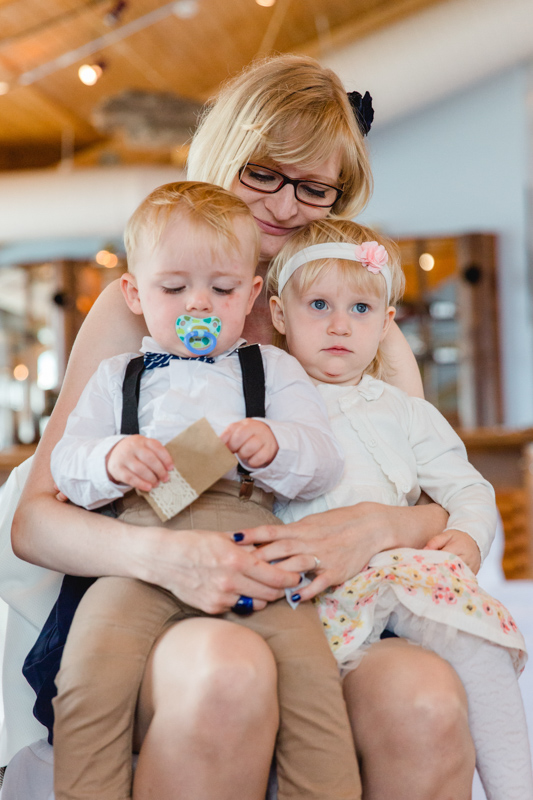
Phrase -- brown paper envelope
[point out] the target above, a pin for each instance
(200, 458)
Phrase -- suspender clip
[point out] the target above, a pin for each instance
(247, 487)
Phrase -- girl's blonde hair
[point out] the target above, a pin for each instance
(205, 205)
(339, 230)
(288, 109)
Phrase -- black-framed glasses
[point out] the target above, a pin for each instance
(268, 181)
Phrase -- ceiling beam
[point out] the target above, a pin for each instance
(53, 22)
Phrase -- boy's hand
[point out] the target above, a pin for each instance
(139, 461)
(458, 543)
(252, 441)
(60, 495)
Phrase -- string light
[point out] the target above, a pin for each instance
(21, 372)
(185, 9)
(106, 259)
(265, 3)
(90, 73)
(427, 262)
(4, 87)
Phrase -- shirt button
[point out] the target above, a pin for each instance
(372, 443)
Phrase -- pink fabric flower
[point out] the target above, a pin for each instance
(372, 255)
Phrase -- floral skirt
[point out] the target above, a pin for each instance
(435, 586)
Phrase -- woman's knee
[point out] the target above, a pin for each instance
(413, 697)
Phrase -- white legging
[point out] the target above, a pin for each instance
(495, 709)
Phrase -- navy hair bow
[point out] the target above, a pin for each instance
(362, 108)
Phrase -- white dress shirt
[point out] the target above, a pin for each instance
(395, 446)
(309, 460)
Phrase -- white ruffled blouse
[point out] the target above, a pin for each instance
(395, 447)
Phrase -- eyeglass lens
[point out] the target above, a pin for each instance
(265, 180)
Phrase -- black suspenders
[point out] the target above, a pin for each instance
(253, 386)
(131, 387)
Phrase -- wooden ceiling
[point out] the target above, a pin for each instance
(149, 45)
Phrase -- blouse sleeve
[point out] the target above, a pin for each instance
(79, 459)
(447, 476)
(309, 461)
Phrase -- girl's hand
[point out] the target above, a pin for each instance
(460, 544)
(139, 462)
(252, 441)
(209, 571)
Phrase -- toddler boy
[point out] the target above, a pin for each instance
(192, 250)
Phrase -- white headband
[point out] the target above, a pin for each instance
(371, 255)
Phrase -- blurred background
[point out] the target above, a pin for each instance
(99, 99)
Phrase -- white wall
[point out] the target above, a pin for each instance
(461, 166)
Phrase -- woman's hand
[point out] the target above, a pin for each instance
(344, 540)
(209, 571)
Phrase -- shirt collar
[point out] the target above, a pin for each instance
(150, 345)
(370, 388)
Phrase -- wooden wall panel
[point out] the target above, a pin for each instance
(190, 57)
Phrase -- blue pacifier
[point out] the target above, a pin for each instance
(198, 335)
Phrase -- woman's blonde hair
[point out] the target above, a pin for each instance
(288, 109)
(339, 230)
(205, 205)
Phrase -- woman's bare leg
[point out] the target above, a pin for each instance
(208, 714)
(409, 718)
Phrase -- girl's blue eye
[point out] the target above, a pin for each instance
(360, 308)
(319, 305)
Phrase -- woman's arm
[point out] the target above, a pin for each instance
(404, 372)
(345, 539)
(42, 531)
(208, 571)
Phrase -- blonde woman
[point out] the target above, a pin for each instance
(284, 137)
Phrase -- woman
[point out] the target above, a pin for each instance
(207, 712)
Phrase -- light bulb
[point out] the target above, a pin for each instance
(106, 259)
(21, 372)
(427, 262)
(89, 73)
(185, 9)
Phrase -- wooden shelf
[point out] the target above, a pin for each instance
(505, 458)
(11, 457)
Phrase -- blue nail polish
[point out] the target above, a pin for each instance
(295, 598)
(238, 537)
(301, 579)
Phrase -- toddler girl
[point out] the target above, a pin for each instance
(192, 252)
(333, 286)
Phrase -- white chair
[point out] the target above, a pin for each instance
(30, 775)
